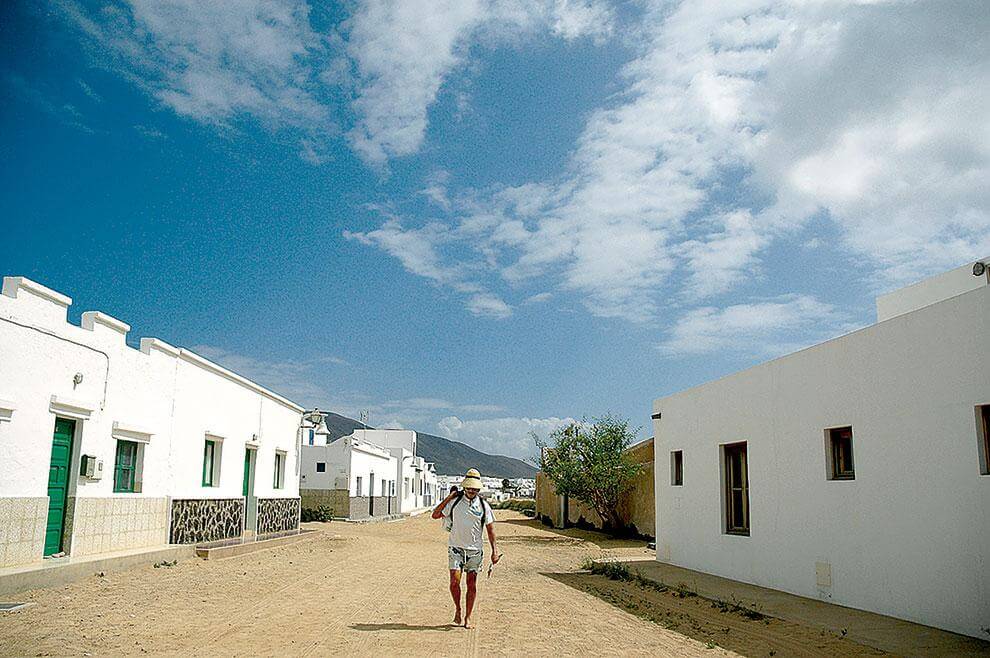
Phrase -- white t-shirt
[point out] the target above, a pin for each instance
(466, 531)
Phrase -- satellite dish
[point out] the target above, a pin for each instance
(979, 268)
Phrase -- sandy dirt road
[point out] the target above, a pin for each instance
(381, 588)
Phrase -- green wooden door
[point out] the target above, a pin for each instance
(247, 473)
(58, 483)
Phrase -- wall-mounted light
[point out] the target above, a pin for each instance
(77, 379)
(979, 268)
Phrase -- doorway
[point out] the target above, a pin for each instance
(247, 490)
(371, 494)
(58, 484)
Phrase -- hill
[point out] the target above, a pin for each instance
(450, 457)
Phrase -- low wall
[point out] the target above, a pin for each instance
(347, 506)
(22, 530)
(100, 525)
(359, 507)
(197, 520)
(278, 515)
(336, 499)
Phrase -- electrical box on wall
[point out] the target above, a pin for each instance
(91, 467)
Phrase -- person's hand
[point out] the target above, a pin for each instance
(496, 557)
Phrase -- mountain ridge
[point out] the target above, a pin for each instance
(450, 457)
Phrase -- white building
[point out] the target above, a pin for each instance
(854, 471)
(352, 476)
(411, 481)
(104, 447)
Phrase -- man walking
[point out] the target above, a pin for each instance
(468, 514)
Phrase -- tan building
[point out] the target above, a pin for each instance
(636, 506)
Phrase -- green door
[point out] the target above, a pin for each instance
(58, 483)
(247, 473)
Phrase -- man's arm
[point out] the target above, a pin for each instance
(491, 539)
(438, 510)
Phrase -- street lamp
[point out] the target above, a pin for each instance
(317, 422)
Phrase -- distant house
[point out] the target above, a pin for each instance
(367, 473)
(355, 478)
(855, 471)
(636, 505)
(104, 447)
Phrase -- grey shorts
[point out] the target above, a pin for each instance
(464, 559)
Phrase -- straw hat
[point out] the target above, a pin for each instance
(472, 480)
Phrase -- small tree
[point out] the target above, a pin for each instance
(589, 463)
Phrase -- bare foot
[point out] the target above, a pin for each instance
(467, 623)
(457, 618)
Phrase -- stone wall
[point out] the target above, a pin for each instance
(335, 499)
(345, 506)
(99, 525)
(22, 530)
(359, 506)
(202, 520)
(278, 515)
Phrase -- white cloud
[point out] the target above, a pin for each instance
(213, 62)
(759, 329)
(488, 305)
(404, 51)
(500, 436)
(738, 123)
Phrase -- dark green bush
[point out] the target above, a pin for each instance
(323, 513)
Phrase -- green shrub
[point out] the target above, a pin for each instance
(323, 513)
(611, 570)
(517, 504)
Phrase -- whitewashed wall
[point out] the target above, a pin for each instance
(166, 397)
(909, 536)
(367, 460)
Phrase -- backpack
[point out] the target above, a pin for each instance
(485, 509)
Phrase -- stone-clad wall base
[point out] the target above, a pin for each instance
(100, 525)
(22, 530)
(358, 507)
(277, 515)
(336, 499)
(202, 520)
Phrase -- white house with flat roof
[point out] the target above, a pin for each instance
(854, 471)
(104, 447)
(415, 479)
(352, 476)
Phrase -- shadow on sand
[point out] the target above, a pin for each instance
(575, 535)
(402, 627)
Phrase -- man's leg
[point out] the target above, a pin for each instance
(472, 592)
(455, 593)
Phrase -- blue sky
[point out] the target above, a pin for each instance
(481, 219)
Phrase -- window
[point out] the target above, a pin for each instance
(312, 437)
(984, 423)
(358, 485)
(840, 451)
(736, 489)
(211, 463)
(391, 487)
(279, 470)
(676, 468)
(125, 467)
(321, 467)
